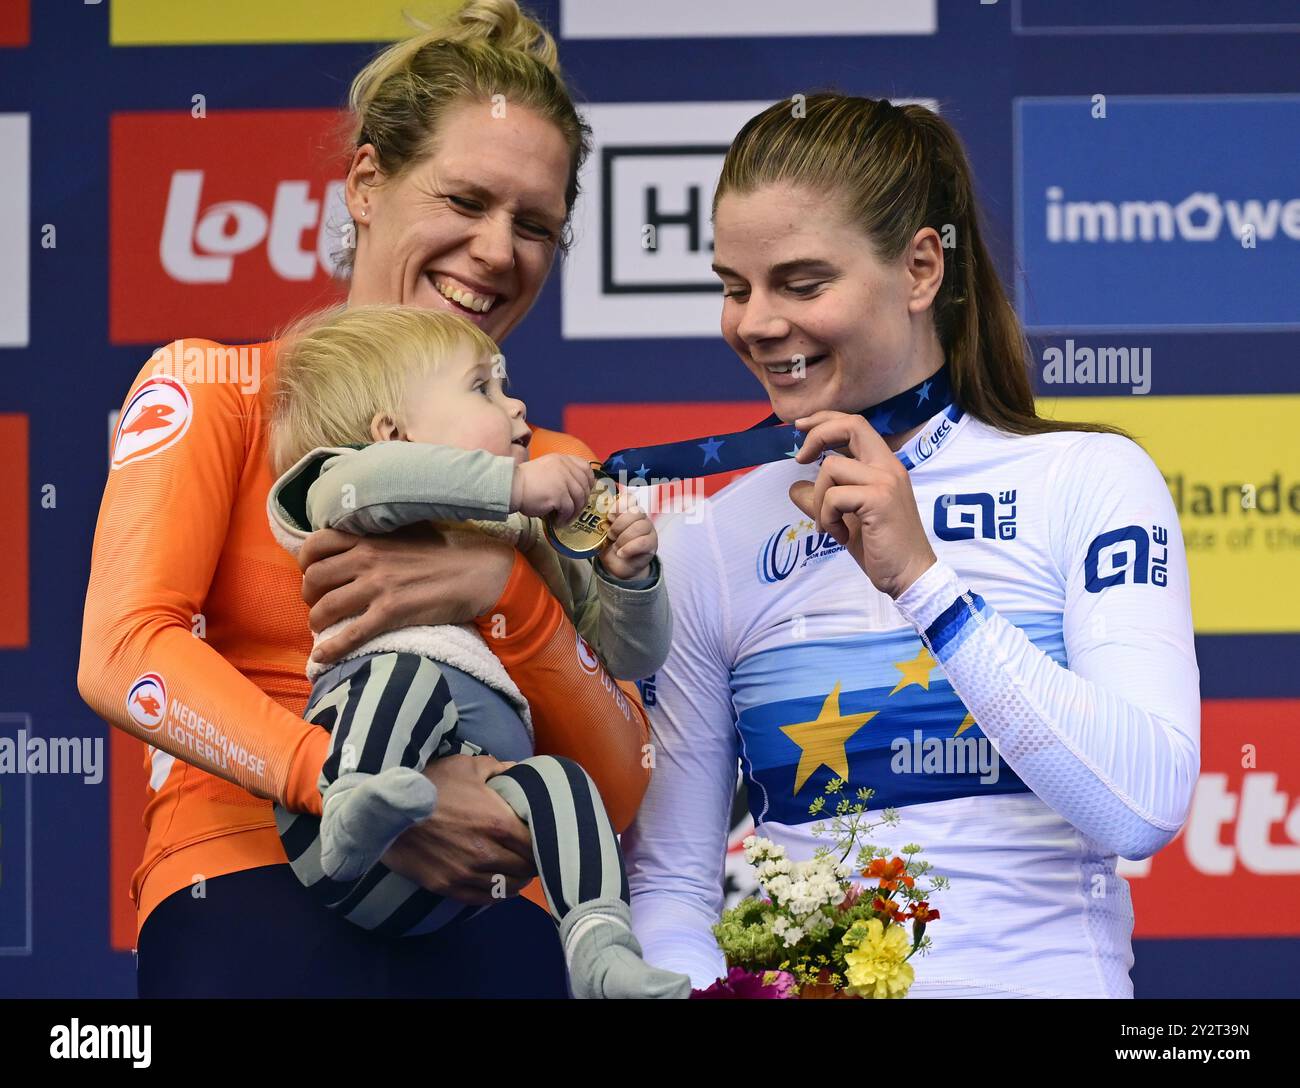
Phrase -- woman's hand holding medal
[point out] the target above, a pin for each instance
(864, 500)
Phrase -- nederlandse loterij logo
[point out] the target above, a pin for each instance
(146, 702)
(587, 656)
(156, 417)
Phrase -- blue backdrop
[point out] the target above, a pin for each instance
(983, 57)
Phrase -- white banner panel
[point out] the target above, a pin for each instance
(744, 18)
(15, 250)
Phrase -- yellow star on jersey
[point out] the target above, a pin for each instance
(822, 740)
(966, 724)
(792, 535)
(916, 671)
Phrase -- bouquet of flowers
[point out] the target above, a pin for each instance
(819, 934)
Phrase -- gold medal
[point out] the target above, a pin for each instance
(584, 536)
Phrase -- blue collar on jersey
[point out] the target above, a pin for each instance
(772, 440)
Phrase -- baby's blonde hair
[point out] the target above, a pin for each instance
(336, 369)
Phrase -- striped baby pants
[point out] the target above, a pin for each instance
(401, 709)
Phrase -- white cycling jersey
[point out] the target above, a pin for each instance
(1030, 704)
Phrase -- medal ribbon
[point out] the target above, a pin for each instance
(771, 440)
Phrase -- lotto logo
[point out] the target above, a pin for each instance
(1244, 825)
(201, 241)
(1124, 555)
(203, 236)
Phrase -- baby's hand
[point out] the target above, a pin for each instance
(632, 540)
(556, 483)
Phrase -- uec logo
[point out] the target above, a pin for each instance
(779, 557)
(929, 443)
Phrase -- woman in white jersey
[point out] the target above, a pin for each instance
(980, 614)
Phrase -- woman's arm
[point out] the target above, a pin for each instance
(1112, 742)
(162, 525)
(676, 847)
(578, 709)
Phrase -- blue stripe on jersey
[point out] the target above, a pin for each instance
(873, 709)
(954, 623)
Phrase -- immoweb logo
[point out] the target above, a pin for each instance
(1198, 217)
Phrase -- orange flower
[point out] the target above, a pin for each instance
(887, 908)
(890, 870)
(922, 913)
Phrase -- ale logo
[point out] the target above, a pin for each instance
(147, 701)
(1126, 555)
(157, 415)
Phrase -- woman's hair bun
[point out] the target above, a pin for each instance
(505, 25)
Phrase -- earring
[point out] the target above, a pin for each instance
(363, 213)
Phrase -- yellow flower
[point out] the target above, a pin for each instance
(876, 965)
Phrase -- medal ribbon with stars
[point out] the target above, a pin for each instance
(772, 440)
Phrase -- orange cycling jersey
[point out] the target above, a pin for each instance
(195, 637)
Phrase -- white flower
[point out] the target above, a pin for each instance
(778, 888)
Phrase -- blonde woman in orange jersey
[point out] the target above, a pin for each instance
(454, 208)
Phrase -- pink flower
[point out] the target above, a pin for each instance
(742, 985)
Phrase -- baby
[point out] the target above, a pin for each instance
(388, 416)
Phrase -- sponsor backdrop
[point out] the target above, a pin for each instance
(172, 170)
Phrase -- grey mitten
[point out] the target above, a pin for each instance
(604, 957)
(361, 815)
